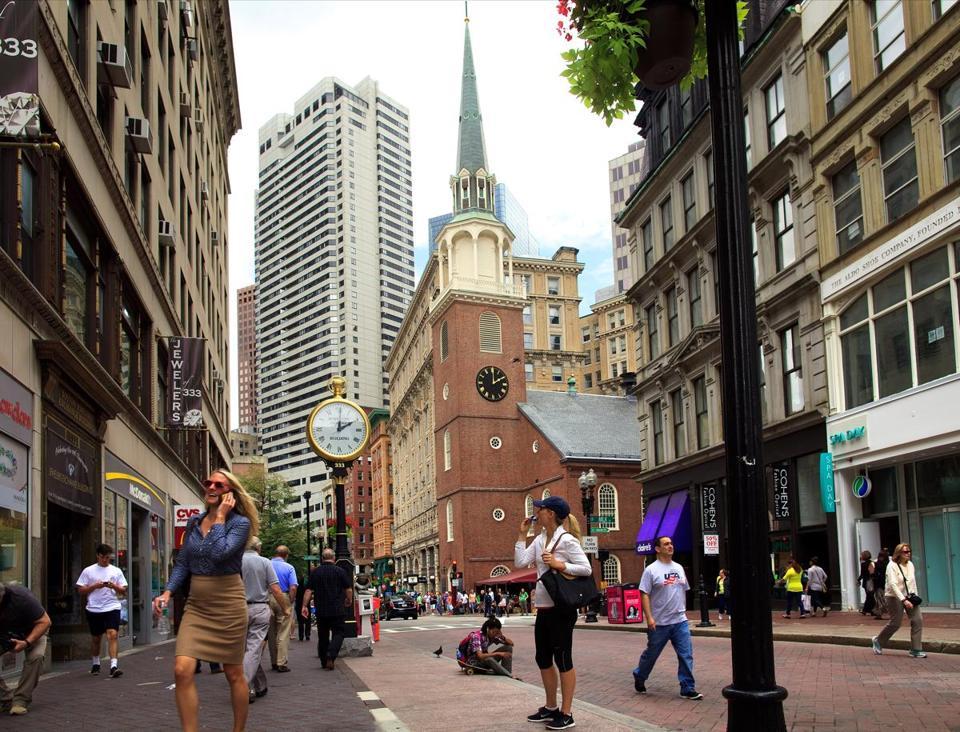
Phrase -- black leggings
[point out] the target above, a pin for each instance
(553, 636)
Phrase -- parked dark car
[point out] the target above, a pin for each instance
(401, 606)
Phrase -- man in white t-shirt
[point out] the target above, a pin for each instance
(103, 584)
(663, 594)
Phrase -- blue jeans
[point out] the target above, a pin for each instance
(679, 635)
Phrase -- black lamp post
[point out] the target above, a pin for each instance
(754, 701)
(587, 482)
(306, 499)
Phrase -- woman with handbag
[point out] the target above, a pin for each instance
(901, 596)
(556, 548)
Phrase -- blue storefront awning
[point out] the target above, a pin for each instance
(667, 515)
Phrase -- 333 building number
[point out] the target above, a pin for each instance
(16, 47)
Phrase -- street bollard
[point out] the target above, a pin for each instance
(704, 607)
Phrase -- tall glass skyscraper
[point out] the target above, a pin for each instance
(334, 259)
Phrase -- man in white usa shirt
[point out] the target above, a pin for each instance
(103, 584)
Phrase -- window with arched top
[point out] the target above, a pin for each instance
(611, 570)
(447, 451)
(546, 493)
(499, 571)
(449, 520)
(607, 504)
(490, 341)
(528, 511)
(444, 342)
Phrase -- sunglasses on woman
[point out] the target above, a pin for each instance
(220, 485)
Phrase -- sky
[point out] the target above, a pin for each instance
(549, 149)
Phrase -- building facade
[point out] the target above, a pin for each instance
(608, 340)
(674, 250)
(334, 260)
(110, 244)
(884, 99)
(381, 490)
(625, 173)
(247, 357)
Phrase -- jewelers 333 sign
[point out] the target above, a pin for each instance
(184, 377)
(19, 101)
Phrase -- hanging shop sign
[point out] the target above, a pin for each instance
(123, 479)
(828, 494)
(781, 491)
(19, 62)
(861, 486)
(185, 377)
(710, 507)
(711, 544)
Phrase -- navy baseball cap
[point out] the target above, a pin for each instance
(555, 504)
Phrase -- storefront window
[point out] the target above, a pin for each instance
(14, 499)
(110, 520)
(158, 552)
(938, 481)
(883, 494)
(808, 491)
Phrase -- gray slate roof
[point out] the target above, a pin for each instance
(586, 425)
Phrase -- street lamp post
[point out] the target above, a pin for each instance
(306, 499)
(587, 482)
(754, 701)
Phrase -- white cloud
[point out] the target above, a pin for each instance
(541, 141)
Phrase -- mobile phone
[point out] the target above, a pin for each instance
(532, 519)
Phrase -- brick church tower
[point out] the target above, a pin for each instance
(478, 376)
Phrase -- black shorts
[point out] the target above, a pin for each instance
(101, 622)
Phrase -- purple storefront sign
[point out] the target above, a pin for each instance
(19, 61)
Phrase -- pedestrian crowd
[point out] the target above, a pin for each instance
(486, 601)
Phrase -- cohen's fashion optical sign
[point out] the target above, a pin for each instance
(940, 221)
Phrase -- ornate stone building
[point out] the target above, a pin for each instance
(672, 240)
(608, 339)
(884, 101)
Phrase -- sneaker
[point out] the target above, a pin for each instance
(875, 642)
(95, 669)
(918, 654)
(691, 694)
(638, 685)
(115, 672)
(252, 697)
(562, 721)
(543, 715)
(17, 710)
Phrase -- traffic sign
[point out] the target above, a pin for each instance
(603, 520)
(590, 544)
(599, 530)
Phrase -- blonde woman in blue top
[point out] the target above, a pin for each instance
(215, 619)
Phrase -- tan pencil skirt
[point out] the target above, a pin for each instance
(214, 625)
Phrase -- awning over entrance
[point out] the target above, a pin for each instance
(667, 515)
(516, 577)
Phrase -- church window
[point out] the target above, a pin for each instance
(444, 342)
(490, 341)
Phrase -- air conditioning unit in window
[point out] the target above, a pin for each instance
(193, 49)
(186, 106)
(138, 135)
(186, 13)
(165, 233)
(162, 11)
(198, 119)
(214, 238)
(204, 191)
(113, 65)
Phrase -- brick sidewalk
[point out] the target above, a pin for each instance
(308, 698)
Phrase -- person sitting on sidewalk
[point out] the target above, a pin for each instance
(23, 627)
(475, 649)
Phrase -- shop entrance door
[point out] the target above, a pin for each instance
(941, 556)
(140, 606)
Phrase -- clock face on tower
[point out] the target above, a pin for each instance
(492, 383)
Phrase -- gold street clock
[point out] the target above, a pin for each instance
(338, 429)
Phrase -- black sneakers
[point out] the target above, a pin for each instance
(562, 721)
(115, 672)
(95, 669)
(641, 689)
(543, 715)
(692, 695)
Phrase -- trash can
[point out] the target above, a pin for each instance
(615, 609)
(632, 608)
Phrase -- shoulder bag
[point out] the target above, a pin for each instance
(568, 591)
(913, 597)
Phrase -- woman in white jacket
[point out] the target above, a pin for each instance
(557, 547)
(901, 582)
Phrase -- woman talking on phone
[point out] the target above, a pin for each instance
(215, 619)
(556, 547)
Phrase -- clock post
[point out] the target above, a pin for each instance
(338, 430)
